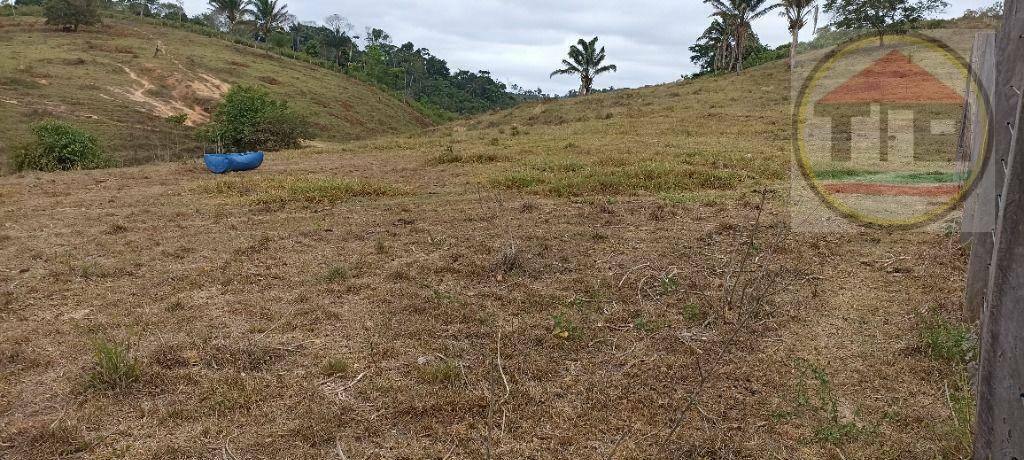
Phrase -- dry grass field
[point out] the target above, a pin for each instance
(573, 279)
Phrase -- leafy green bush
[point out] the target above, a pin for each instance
(60, 146)
(249, 119)
(70, 14)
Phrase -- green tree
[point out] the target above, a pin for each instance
(797, 12)
(884, 17)
(9, 5)
(249, 119)
(737, 16)
(270, 16)
(714, 49)
(586, 61)
(59, 146)
(70, 14)
(312, 48)
(232, 10)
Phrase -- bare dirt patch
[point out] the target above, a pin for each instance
(190, 96)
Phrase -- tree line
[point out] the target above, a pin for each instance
(410, 71)
(729, 44)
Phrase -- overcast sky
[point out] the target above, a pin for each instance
(522, 41)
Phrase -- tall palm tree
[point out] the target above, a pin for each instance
(233, 10)
(739, 14)
(586, 62)
(269, 15)
(797, 12)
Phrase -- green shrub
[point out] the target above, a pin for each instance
(249, 119)
(178, 119)
(58, 145)
(69, 14)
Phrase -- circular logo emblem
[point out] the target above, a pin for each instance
(892, 134)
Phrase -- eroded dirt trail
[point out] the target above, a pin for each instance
(166, 108)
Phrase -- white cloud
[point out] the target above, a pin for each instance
(523, 41)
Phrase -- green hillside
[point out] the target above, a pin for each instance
(112, 81)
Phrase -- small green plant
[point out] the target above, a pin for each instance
(335, 274)
(115, 367)
(691, 312)
(642, 324)
(58, 146)
(334, 367)
(947, 341)
(249, 119)
(564, 328)
(441, 298)
(830, 429)
(440, 371)
(178, 119)
(669, 284)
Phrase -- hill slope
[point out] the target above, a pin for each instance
(111, 80)
(545, 282)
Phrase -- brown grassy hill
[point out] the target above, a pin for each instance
(111, 80)
(548, 282)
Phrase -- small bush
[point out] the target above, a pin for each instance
(58, 145)
(115, 367)
(178, 119)
(249, 119)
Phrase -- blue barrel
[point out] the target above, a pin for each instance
(220, 163)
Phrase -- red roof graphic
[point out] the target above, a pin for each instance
(893, 79)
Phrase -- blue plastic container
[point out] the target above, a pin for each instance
(220, 163)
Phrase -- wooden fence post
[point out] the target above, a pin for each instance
(999, 431)
(979, 210)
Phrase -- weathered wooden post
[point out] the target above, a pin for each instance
(980, 208)
(999, 431)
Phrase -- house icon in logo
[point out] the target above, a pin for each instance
(894, 83)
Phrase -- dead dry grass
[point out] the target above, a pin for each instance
(395, 305)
